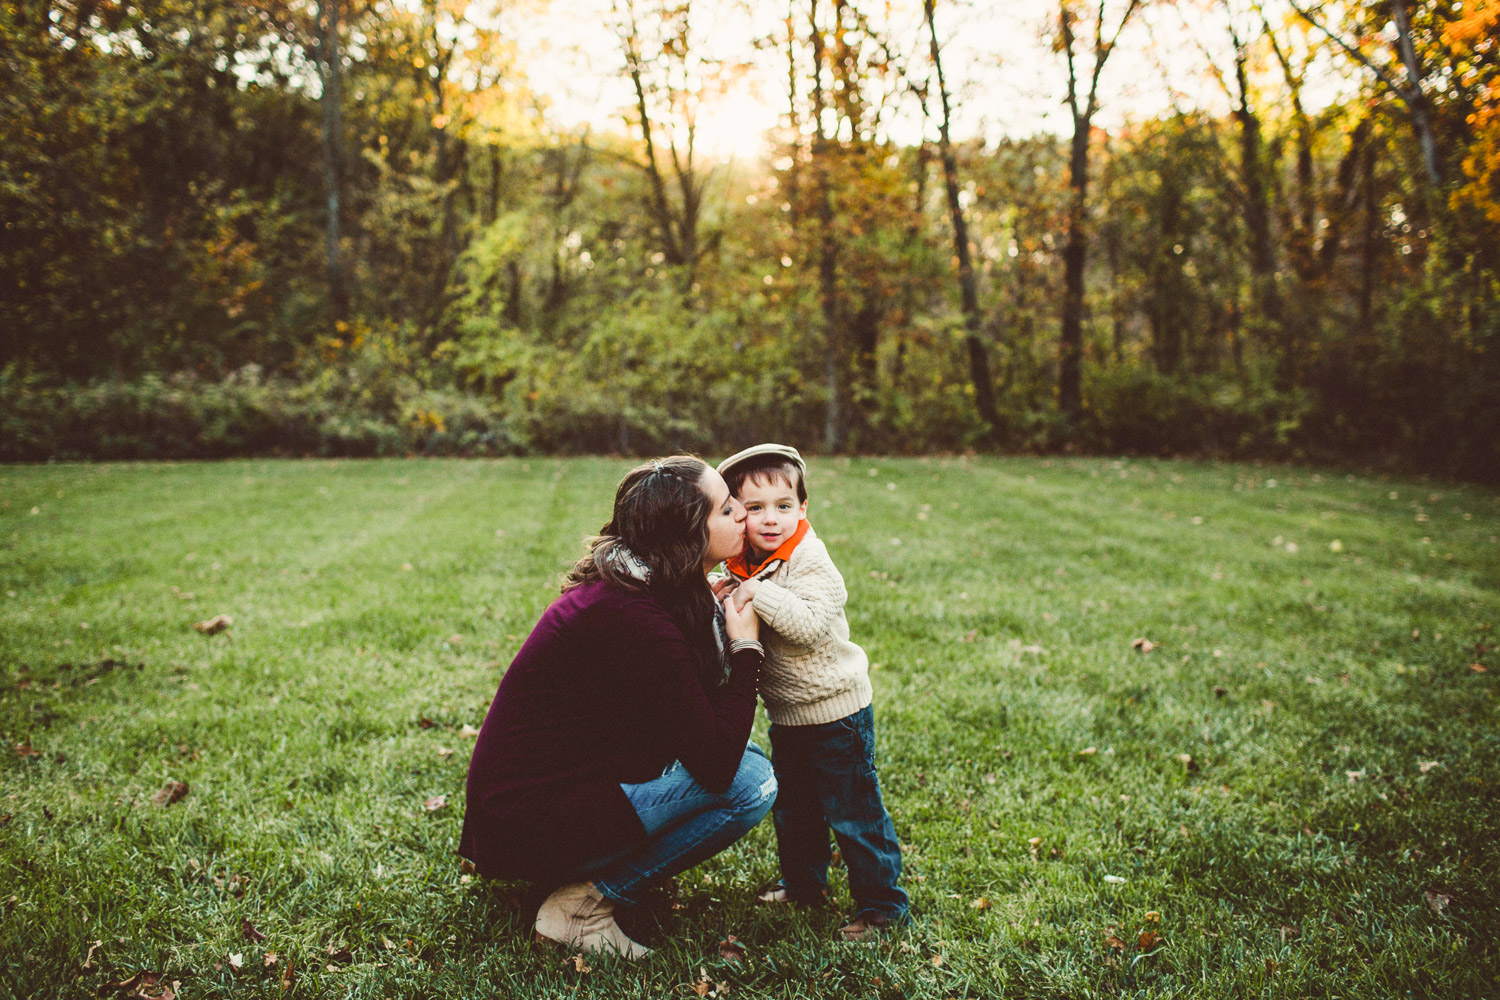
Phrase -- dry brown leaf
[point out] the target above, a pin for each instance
(26, 750)
(1153, 917)
(580, 964)
(1426, 765)
(248, 929)
(1088, 751)
(338, 953)
(1112, 938)
(937, 961)
(444, 752)
(1143, 644)
(1438, 901)
(214, 625)
(982, 903)
(1149, 940)
(1478, 668)
(435, 803)
(271, 959)
(174, 791)
(88, 960)
(730, 949)
(468, 730)
(288, 976)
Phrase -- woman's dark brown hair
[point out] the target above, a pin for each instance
(661, 518)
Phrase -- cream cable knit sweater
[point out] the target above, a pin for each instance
(813, 674)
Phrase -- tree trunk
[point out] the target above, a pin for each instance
(979, 360)
(828, 298)
(1075, 255)
(331, 102)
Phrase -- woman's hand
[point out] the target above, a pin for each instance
(724, 585)
(740, 622)
(745, 593)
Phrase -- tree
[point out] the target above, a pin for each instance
(1082, 106)
(979, 362)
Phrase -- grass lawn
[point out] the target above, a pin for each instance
(1295, 793)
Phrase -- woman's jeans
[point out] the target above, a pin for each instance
(828, 781)
(685, 824)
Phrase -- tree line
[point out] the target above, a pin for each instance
(351, 227)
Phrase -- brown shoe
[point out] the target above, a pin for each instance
(866, 926)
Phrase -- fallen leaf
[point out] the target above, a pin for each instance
(1438, 901)
(137, 984)
(1354, 775)
(1143, 644)
(1088, 751)
(1114, 879)
(1478, 668)
(444, 752)
(579, 964)
(174, 791)
(1112, 938)
(214, 625)
(248, 929)
(338, 953)
(271, 959)
(1220, 692)
(1153, 917)
(236, 962)
(435, 803)
(468, 730)
(982, 903)
(1149, 940)
(1426, 765)
(288, 977)
(937, 961)
(1188, 761)
(731, 950)
(27, 750)
(425, 723)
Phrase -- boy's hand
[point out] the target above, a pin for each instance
(745, 593)
(724, 585)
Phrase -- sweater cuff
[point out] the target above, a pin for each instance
(768, 598)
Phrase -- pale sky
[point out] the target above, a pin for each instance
(1008, 81)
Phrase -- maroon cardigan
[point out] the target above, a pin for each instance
(605, 690)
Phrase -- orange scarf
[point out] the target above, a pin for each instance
(739, 566)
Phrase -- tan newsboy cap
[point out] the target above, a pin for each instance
(778, 450)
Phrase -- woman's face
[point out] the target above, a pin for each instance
(726, 521)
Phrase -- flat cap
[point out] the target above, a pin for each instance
(782, 451)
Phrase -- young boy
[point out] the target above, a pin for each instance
(816, 688)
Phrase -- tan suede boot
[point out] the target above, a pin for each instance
(578, 916)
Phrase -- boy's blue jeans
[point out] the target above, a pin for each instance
(685, 825)
(827, 780)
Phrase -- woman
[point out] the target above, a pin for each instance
(615, 750)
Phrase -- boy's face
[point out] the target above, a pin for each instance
(771, 512)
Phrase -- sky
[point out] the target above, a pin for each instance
(1006, 79)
